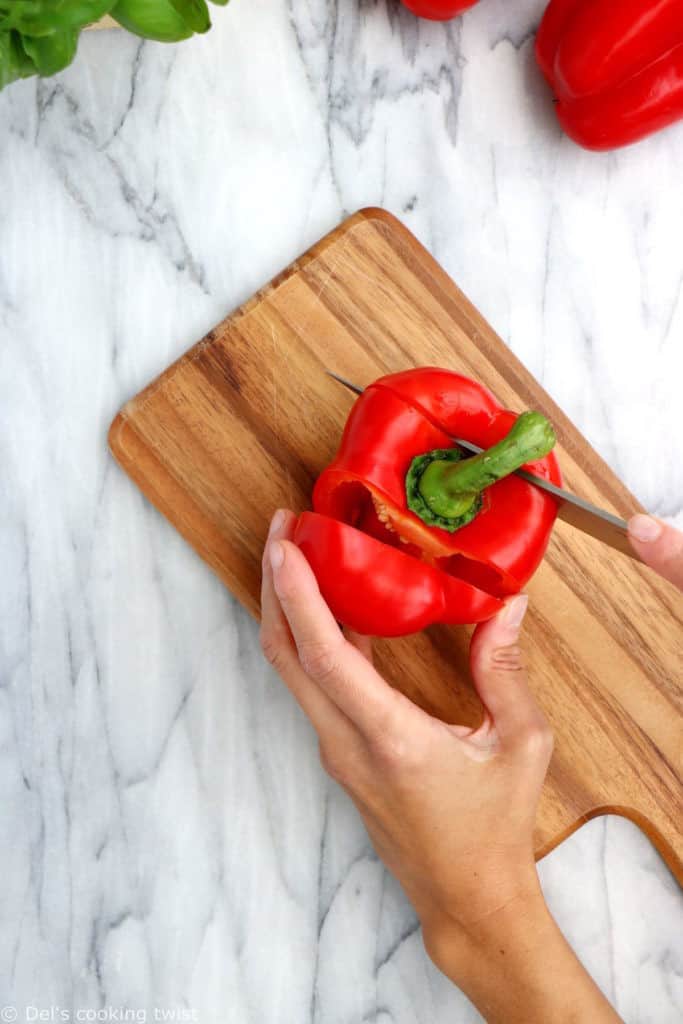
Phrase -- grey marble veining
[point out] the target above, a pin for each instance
(167, 837)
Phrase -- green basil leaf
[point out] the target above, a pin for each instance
(51, 54)
(195, 13)
(43, 17)
(24, 16)
(14, 62)
(79, 13)
(151, 19)
(12, 9)
(220, 3)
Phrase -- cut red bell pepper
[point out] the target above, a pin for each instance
(379, 590)
(616, 68)
(387, 569)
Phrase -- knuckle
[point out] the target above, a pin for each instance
(333, 764)
(392, 751)
(318, 659)
(537, 739)
(272, 646)
(508, 659)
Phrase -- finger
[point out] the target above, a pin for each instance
(279, 648)
(282, 527)
(501, 680)
(660, 546)
(361, 642)
(338, 667)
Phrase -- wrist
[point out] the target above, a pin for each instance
(455, 940)
(516, 966)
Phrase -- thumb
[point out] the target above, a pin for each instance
(660, 546)
(500, 677)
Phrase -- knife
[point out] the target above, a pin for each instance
(578, 512)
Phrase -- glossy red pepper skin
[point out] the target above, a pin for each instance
(380, 591)
(616, 68)
(407, 414)
(438, 10)
(388, 581)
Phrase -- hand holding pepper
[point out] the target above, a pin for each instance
(449, 811)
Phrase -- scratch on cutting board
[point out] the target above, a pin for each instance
(328, 275)
(378, 281)
(276, 353)
(325, 281)
(338, 257)
(333, 261)
(290, 491)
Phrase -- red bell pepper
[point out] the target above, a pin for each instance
(438, 10)
(377, 589)
(406, 531)
(616, 68)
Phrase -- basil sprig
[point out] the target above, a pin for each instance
(39, 37)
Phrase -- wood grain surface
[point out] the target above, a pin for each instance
(246, 420)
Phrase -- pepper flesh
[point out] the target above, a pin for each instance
(364, 489)
(616, 68)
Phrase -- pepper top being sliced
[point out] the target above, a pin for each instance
(409, 414)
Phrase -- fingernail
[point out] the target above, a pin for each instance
(515, 610)
(276, 522)
(644, 528)
(276, 553)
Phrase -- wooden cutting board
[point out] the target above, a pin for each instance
(246, 420)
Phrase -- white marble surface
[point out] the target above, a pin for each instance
(167, 837)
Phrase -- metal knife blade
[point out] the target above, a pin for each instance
(578, 512)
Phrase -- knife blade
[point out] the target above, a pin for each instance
(579, 513)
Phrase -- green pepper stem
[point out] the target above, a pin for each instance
(451, 489)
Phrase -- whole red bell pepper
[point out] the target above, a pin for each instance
(438, 10)
(616, 68)
(406, 531)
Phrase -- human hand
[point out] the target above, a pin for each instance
(660, 546)
(449, 810)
